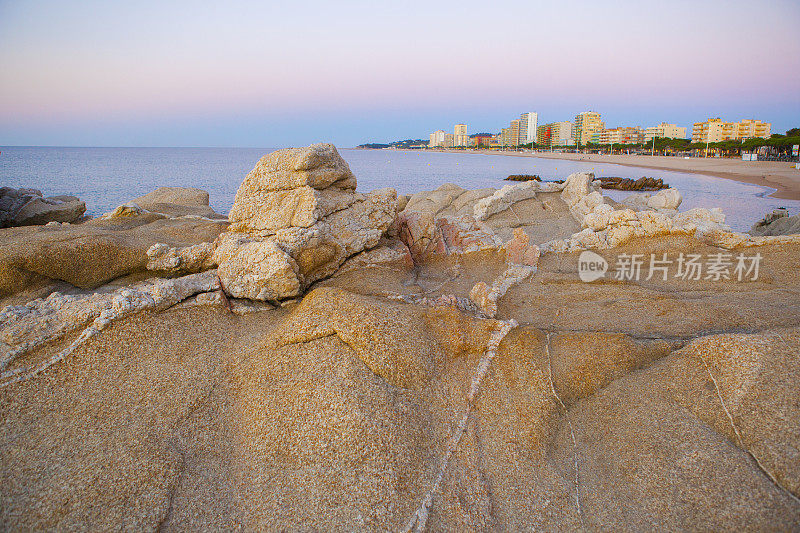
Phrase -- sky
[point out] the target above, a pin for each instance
(267, 74)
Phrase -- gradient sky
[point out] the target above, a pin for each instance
(180, 73)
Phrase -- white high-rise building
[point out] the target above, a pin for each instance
(528, 123)
(436, 139)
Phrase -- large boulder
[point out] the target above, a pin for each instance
(176, 201)
(295, 220)
(27, 207)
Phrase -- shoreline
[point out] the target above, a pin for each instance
(780, 176)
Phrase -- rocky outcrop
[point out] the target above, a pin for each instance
(387, 398)
(778, 222)
(628, 184)
(177, 201)
(523, 177)
(666, 201)
(295, 220)
(27, 207)
(93, 253)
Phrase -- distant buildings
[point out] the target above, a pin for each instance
(442, 139)
(669, 131)
(528, 124)
(715, 130)
(587, 127)
(555, 134)
(520, 131)
(460, 136)
(436, 139)
(626, 135)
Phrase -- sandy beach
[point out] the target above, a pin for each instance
(783, 177)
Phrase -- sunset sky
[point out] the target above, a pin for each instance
(284, 73)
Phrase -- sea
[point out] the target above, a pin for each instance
(107, 177)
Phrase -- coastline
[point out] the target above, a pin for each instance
(780, 176)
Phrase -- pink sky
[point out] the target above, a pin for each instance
(97, 72)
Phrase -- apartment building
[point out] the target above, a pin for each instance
(555, 134)
(481, 139)
(625, 135)
(460, 136)
(669, 131)
(716, 130)
(586, 127)
(436, 139)
(528, 124)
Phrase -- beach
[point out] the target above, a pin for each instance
(781, 176)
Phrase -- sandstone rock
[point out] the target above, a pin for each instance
(185, 260)
(576, 186)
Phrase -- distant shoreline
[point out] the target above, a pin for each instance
(782, 177)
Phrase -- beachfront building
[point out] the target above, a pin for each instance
(669, 131)
(528, 124)
(587, 126)
(460, 136)
(509, 137)
(627, 135)
(716, 130)
(481, 139)
(555, 134)
(436, 139)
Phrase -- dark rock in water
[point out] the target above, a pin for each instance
(27, 207)
(628, 184)
(523, 177)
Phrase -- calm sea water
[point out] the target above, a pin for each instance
(107, 177)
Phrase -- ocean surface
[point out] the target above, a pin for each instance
(107, 177)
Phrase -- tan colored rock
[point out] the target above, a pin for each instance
(300, 207)
(185, 196)
(303, 234)
(93, 253)
(255, 269)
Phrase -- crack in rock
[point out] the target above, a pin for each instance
(419, 519)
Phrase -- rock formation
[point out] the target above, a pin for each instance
(447, 371)
(628, 184)
(27, 207)
(778, 222)
(295, 220)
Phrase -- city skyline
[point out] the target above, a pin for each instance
(251, 75)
